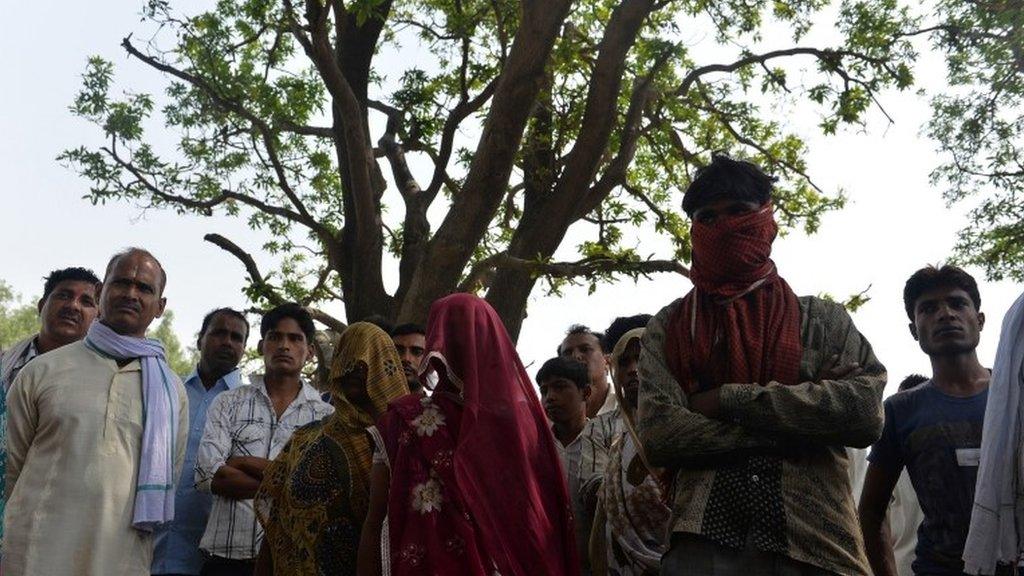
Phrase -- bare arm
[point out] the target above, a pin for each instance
(218, 470)
(264, 562)
(230, 482)
(369, 562)
(874, 501)
(252, 465)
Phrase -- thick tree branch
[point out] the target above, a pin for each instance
(539, 158)
(615, 174)
(318, 131)
(259, 282)
(828, 56)
(460, 112)
(500, 29)
(416, 227)
(479, 274)
(256, 278)
(344, 70)
(602, 99)
(400, 170)
(473, 209)
(543, 227)
(320, 51)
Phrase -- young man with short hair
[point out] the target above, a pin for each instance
(67, 308)
(584, 345)
(933, 430)
(96, 438)
(564, 389)
(221, 346)
(749, 394)
(245, 429)
(411, 342)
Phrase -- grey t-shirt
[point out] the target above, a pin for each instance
(938, 438)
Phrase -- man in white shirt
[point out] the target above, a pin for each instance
(564, 389)
(245, 429)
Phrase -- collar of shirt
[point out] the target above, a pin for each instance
(574, 440)
(33, 349)
(308, 393)
(231, 380)
(611, 401)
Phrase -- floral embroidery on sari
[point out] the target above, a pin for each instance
(427, 497)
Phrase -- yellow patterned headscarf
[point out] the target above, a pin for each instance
(617, 352)
(366, 344)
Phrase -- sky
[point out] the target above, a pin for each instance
(895, 223)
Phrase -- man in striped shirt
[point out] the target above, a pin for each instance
(564, 389)
(245, 429)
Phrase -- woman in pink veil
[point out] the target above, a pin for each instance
(468, 480)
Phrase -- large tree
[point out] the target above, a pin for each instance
(459, 140)
(979, 126)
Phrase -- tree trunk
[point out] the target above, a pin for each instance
(487, 180)
(541, 230)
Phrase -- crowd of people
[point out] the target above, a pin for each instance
(727, 434)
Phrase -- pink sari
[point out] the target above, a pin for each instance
(476, 484)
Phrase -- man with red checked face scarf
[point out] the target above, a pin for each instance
(748, 396)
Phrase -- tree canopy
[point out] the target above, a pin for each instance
(979, 127)
(455, 142)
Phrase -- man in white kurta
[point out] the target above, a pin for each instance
(75, 424)
(82, 416)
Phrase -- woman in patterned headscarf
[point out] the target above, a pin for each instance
(314, 496)
(634, 534)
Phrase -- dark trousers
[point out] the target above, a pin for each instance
(691, 555)
(217, 566)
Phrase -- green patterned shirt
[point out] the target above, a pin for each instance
(771, 471)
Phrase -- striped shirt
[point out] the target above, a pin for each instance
(242, 422)
(583, 462)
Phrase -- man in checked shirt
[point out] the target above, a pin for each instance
(245, 429)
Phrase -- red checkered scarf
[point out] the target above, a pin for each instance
(741, 321)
